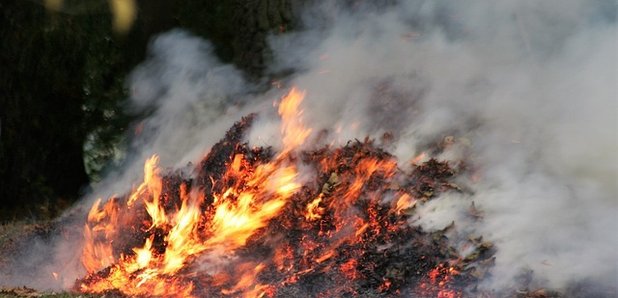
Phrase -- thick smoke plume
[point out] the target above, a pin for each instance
(527, 88)
(530, 86)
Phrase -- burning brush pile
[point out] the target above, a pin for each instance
(247, 223)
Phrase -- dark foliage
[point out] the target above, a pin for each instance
(62, 85)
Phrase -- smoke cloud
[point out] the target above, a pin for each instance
(531, 85)
(528, 87)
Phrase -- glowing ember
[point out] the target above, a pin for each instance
(247, 226)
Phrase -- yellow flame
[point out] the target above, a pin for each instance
(98, 255)
(294, 133)
(236, 214)
(404, 202)
(142, 256)
(313, 209)
(182, 239)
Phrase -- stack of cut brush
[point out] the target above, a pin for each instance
(345, 232)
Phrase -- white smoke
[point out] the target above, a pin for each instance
(192, 99)
(531, 85)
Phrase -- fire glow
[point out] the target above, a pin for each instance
(248, 226)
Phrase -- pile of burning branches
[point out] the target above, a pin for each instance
(252, 222)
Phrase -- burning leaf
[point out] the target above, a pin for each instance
(245, 226)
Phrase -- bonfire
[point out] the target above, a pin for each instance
(253, 222)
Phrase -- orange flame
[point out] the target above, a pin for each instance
(294, 133)
(182, 239)
(236, 214)
(313, 209)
